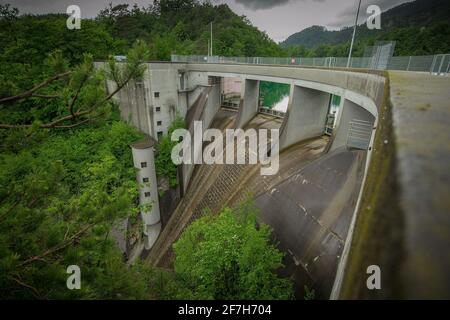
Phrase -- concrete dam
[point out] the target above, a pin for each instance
(344, 198)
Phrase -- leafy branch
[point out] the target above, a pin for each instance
(87, 100)
(31, 93)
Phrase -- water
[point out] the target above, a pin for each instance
(274, 95)
(282, 104)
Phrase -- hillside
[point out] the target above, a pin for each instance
(168, 26)
(405, 24)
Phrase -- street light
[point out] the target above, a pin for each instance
(353, 37)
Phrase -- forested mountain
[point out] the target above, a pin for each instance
(183, 27)
(420, 27)
(169, 26)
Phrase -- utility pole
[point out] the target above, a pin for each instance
(211, 38)
(353, 37)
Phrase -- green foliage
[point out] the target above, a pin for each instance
(310, 294)
(229, 257)
(167, 27)
(163, 162)
(58, 200)
(6, 13)
(29, 38)
(182, 27)
(77, 96)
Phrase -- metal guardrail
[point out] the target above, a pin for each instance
(359, 134)
(234, 104)
(435, 64)
(271, 112)
(230, 104)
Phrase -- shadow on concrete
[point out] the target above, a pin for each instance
(310, 213)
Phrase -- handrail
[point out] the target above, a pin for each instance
(435, 64)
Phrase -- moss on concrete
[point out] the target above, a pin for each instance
(377, 239)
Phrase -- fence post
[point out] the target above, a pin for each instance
(448, 66)
(409, 63)
(441, 64)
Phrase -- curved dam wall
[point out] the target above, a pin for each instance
(322, 238)
(404, 217)
(401, 219)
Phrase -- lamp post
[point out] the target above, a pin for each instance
(353, 37)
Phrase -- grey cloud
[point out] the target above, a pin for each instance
(261, 4)
(267, 4)
(89, 8)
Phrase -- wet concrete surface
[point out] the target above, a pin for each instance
(310, 214)
(213, 186)
(309, 203)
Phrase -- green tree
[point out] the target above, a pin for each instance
(83, 92)
(164, 164)
(229, 256)
(61, 191)
(58, 202)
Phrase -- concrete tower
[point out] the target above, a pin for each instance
(144, 161)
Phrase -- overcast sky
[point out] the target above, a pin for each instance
(279, 18)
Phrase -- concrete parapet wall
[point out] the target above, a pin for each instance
(403, 223)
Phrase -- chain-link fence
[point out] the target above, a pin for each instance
(436, 64)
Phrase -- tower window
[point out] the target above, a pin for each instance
(147, 194)
(145, 180)
(160, 133)
(143, 164)
(159, 123)
(156, 94)
(158, 109)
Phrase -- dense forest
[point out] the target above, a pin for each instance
(421, 27)
(66, 172)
